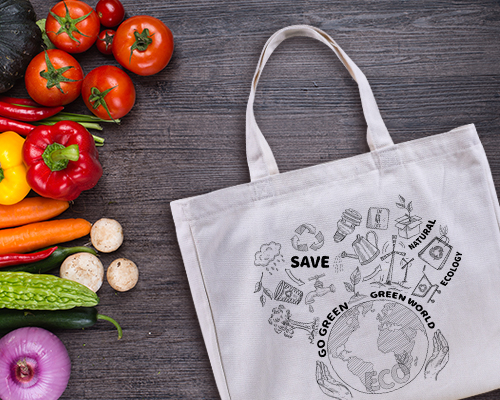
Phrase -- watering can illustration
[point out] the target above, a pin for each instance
(365, 250)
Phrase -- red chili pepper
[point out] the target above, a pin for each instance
(23, 113)
(62, 160)
(8, 260)
(21, 102)
(19, 127)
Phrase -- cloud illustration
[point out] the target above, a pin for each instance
(268, 252)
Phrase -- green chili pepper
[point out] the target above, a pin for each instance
(76, 318)
(24, 291)
(53, 261)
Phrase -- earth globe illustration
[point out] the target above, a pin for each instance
(378, 346)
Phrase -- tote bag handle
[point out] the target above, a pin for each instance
(261, 161)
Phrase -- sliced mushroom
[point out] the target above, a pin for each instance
(122, 274)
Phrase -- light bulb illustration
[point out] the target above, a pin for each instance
(348, 222)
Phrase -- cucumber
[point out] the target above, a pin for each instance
(75, 318)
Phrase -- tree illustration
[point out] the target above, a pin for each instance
(283, 323)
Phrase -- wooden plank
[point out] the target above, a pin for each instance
(433, 66)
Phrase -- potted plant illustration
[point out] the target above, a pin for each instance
(408, 225)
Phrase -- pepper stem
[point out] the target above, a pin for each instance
(57, 157)
(1, 174)
(67, 153)
(118, 327)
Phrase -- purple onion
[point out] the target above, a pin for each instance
(34, 365)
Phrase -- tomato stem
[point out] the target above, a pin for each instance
(142, 42)
(68, 24)
(107, 39)
(55, 76)
(96, 98)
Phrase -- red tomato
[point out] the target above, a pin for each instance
(143, 45)
(72, 26)
(53, 78)
(105, 41)
(108, 92)
(110, 12)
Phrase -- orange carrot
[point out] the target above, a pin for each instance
(42, 234)
(29, 210)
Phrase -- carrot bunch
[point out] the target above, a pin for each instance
(29, 228)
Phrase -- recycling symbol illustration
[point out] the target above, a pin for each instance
(306, 238)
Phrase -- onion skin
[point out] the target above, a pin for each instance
(39, 352)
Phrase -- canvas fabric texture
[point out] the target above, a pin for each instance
(371, 277)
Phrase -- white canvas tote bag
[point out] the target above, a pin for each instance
(373, 275)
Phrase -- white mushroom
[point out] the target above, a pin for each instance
(84, 268)
(122, 274)
(106, 235)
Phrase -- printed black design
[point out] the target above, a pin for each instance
(378, 346)
(330, 386)
(293, 278)
(319, 291)
(351, 286)
(365, 250)
(319, 239)
(258, 287)
(408, 225)
(437, 251)
(406, 266)
(424, 287)
(439, 358)
(282, 322)
(337, 264)
(269, 254)
(392, 254)
(288, 293)
(373, 274)
(378, 218)
(349, 220)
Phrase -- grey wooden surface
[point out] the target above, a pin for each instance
(433, 65)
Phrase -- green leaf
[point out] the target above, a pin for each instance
(47, 44)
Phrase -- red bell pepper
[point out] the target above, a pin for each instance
(62, 160)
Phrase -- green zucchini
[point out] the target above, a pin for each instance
(76, 318)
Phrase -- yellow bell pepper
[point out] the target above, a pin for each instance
(13, 184)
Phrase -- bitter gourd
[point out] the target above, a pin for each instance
(22, 290)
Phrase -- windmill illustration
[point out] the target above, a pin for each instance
(406, 266)
(392, 254)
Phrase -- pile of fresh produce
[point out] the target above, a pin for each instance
(51, 154)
